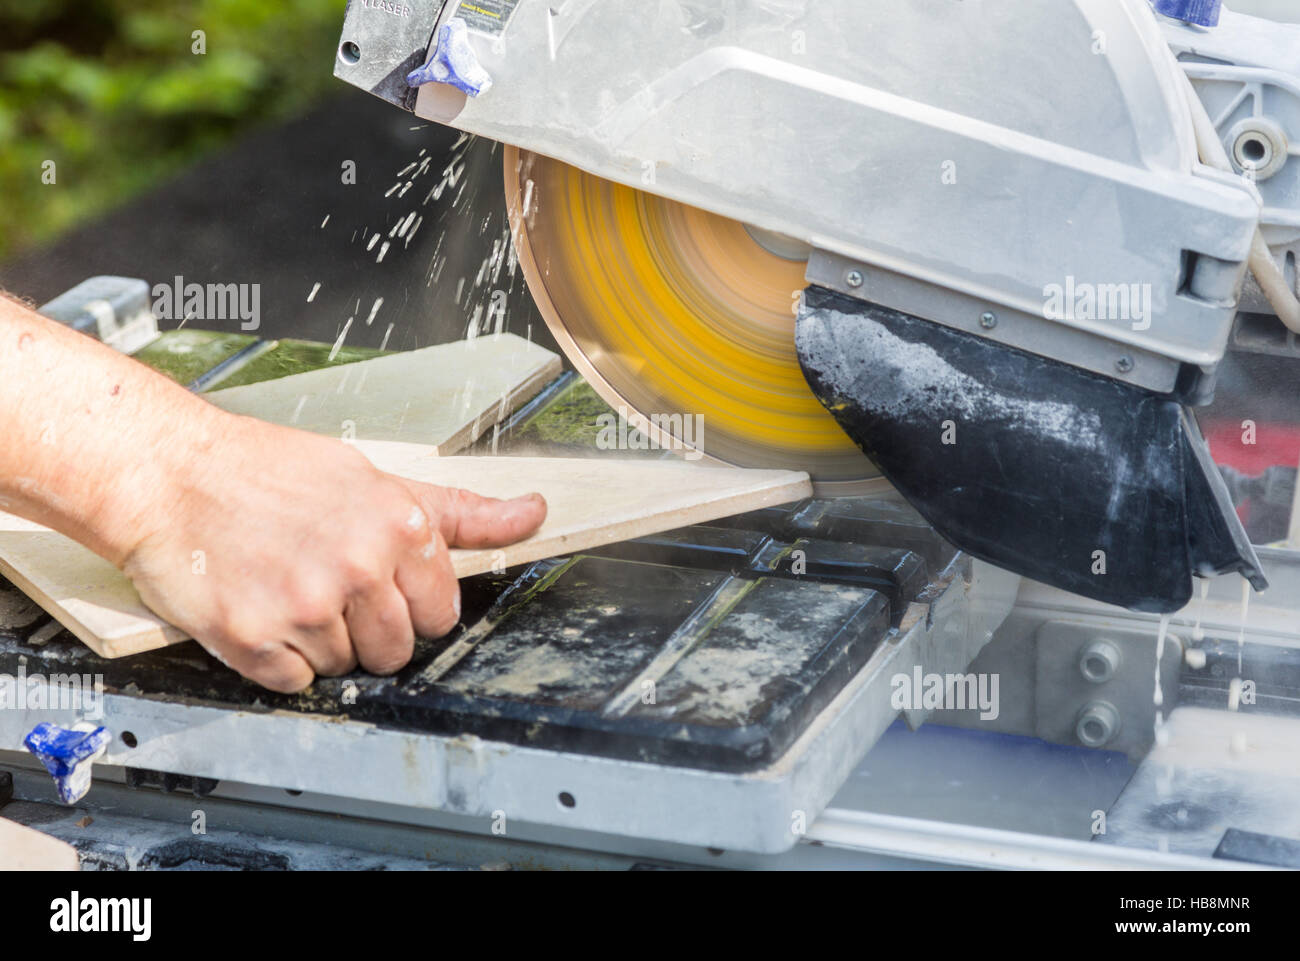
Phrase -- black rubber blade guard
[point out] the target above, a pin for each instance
(1047, 470)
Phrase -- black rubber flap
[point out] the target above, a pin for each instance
(1056, 473)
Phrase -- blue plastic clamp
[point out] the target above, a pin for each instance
(453, 61)
(1204, 13)
(68, 755)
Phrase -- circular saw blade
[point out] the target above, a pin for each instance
(679, 316)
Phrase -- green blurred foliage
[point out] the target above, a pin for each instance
(113, 92)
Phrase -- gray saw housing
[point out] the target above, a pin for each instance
(1019, 171)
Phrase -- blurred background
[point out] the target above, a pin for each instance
(218, 157)
(111, 89)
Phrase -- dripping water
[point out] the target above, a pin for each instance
(1198, 632)
(1159, 697)
(1241, 632)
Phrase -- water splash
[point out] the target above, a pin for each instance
(338, 344)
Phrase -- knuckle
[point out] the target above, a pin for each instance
(262, 653)
(336, 664)
(311, 610)
(362, 577)
(268, 663)
(237, 638)
(464, 501)
(411, 527)
(434, 549)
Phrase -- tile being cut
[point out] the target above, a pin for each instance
(596, 501)
(445, 397)
(81, 590)
(591, 502)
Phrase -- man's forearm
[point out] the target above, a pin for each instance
(91, 437)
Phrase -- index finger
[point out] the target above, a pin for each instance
(466, 519)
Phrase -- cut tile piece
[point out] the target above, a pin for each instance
(592, 502)
(569, 424)
(185, 355)
(26, 849)
(287, 356)
(444, 396)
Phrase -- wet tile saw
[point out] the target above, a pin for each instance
(993, 251)
(792, 652)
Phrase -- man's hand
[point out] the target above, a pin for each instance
(312, 559)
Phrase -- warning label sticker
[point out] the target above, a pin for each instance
(487, 16)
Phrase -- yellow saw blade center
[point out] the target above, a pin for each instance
(674, 313)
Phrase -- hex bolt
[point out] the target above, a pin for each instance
(854, 278)
(1097, 724)
(1099, 661)
(1124, 364)
(988, 320)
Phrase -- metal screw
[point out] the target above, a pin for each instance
(854, 278)
(1124, 364)
(1097, 724)
(1099, 661)
(988, 320)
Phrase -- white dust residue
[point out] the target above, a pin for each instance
(725, 683)
(918, 371)
(540, 667)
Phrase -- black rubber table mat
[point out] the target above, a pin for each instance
(709, 647)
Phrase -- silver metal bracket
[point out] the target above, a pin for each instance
(1024, 331)
(1096, 685)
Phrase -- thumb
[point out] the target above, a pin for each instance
(466, 519)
